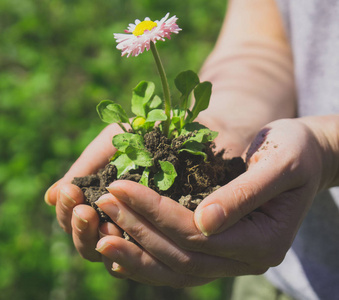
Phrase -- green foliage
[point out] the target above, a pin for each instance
(57, 61)
(111, 112)
(165, 177)
(202, 95)
(131, 153)
(200, 135)
(185, 82)
(188, 82)
(142, 95)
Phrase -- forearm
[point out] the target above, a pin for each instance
(251, 69)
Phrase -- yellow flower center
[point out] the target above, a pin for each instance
(142, 26)
(138, 122)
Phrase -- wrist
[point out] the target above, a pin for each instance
(233, 137)
(326, 132)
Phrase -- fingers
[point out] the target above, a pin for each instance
(167, 252)
(86, 231)
(233, 201)
(109, 228)
(252, 235)
(132, 262)
(168, 216)
(177, 223)
(68, 197)
(255, 240)
(95, 156)
(272, 170)
(85, 222)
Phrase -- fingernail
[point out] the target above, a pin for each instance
(210, 219)
(66, 199)
(115, 190)
(122, 272)
(47, 195)
(101, 234)
(109, 207)
(105, 248)
(80, 223)
(116, 267)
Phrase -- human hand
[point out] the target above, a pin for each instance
(73, 216)
(244, 227)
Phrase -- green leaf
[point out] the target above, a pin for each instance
(124, 140)
(142, 95)
(140, 157)
(123, 163)
(131, 160)
(177, 118)
(191, 127)
(111, 112)
(144, 177)
(155, 103)
(131, 153)
(201, 133)
(202, 95)
(185, 82)
(178, 112)
(195, 148)
(156, 115)
(165, 177)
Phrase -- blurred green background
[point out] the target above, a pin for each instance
(57, 61)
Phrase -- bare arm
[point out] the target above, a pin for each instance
(251, 69)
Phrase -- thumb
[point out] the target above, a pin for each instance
(95, 156)
(240, 197)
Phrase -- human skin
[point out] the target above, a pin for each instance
(244, 227)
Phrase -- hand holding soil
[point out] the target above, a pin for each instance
(234, 222)
(249, 224)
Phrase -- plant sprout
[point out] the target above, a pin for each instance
(149, 109)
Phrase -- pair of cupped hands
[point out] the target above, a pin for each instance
(244, 227)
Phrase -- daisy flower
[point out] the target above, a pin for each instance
(141, 34)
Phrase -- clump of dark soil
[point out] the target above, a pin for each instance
(196, 179)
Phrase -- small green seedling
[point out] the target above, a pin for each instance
(150, 110)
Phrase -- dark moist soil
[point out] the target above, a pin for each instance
(196, 178)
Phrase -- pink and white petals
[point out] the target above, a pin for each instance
(134, 42)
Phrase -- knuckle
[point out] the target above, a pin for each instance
(188, 264)
(156, 208)
(194, 242)
(245, 199)
(138, 232)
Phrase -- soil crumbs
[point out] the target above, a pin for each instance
(197, 178)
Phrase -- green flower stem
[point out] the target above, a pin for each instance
(165, 87)
(122, 127)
